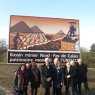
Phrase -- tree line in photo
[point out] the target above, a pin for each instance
(69, 77)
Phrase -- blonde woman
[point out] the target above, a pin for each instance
(58, 78)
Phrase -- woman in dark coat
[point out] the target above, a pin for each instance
(20, 80)
(58, 79)
(36, 84)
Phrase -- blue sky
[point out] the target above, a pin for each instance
(83, 10)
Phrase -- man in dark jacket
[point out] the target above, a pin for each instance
(74, 78)
(46, 71)
(56, 60)
(82, 76)
(29, 76)
(67, 78)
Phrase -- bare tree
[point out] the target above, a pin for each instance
(3, 43)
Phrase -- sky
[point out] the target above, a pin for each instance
(83, 10)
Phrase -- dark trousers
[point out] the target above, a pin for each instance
(58, 91)
(73, 89)
(34, 91)
(25, 90)
(47, 91)
(66, 90)
(54, 90)
(85, 86)
(20, 92)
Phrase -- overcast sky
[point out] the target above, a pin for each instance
(83, 10)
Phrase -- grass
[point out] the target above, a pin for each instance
(7, 78)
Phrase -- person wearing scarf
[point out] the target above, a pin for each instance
(36, 84)
(20, 80)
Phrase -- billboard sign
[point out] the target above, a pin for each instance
(39, 37)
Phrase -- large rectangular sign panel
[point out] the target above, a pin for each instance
(39, 37)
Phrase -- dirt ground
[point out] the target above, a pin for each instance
(2, 92)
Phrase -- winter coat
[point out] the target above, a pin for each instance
(58, 78)
(82, 72)
(67, 81)
(20, 81)
(37, 77)
(46, 73)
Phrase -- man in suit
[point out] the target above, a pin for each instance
(82, 76)
(68, 79)
(56, 60)
(47, 72)
(74, 79)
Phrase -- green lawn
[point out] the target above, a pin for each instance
(7, 78)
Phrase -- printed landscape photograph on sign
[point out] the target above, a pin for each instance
(39, 33)
(33, 37)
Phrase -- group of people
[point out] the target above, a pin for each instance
(27, 73)
(54, 75)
